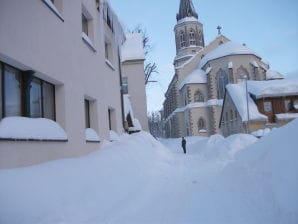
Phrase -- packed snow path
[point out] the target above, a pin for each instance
(136, 180)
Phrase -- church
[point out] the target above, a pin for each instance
(194, 98)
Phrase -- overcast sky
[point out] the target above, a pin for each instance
(269, 27)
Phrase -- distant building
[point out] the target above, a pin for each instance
(66, 61)
(269, 104)
(194, 98)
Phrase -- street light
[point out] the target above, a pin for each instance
(247, 109)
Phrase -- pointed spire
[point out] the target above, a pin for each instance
(186, 9)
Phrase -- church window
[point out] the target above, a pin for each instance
(201, 124)
(192, 37)
(199, 97)
(241, 74)
(222, 81)
(182, 39)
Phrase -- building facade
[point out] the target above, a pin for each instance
(61, 60)
(193, 101)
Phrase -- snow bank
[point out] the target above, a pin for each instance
(114, 136)
(91, 135)
(83, 190)
(267, 171)
(270, 75)
(24, 128)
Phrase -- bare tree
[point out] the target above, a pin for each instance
(150, 68)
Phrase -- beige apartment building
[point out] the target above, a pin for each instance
(62, 60)
(194, 98)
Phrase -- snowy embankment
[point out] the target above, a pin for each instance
(237, 180)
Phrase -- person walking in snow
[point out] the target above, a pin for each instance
(183, 145)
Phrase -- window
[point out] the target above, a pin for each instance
(288, 105)
(267, 106)
(48, 100)
(222, 81)
(35, 99)
(97, 2)
(192, 37)
(125, 85)
(22, 94)
(199, 97)
(112, 119)
(87, 113)
(12, 92)
(84, 24)
(201, 124)
(182, 39)
(41, 100)
(107, 50)
(236, 115)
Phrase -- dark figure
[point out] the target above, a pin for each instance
(184, 145)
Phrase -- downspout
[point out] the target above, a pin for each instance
(121, 90)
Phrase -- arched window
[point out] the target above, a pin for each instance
(192, 37)
(242, 74)
(222, 81)
(182, 39)
(199, 97)
(201, 124)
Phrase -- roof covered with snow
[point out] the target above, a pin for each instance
(270, 74)
(273, 88)
(238, 95)
(132, 49)
(198, 76)
(226, 49)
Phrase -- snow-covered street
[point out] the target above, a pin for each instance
(139, 180)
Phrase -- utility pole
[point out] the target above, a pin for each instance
(247, 107)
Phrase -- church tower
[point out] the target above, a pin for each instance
(188, 32)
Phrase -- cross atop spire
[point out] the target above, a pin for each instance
(219, 29)
(186, 9)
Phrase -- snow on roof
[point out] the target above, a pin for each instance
(255, 64)
(197, 76)
(229, 48)
(272, 88)
(286, 116)
(132, 49)
(270, 74)
(238, 95)
(187, 19)
(31, 129)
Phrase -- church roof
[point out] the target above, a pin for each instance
(270, 74)
(198, 76)
(226, 49)
(186, 9)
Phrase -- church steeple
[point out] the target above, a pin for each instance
(188, 32)
(186, 9)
